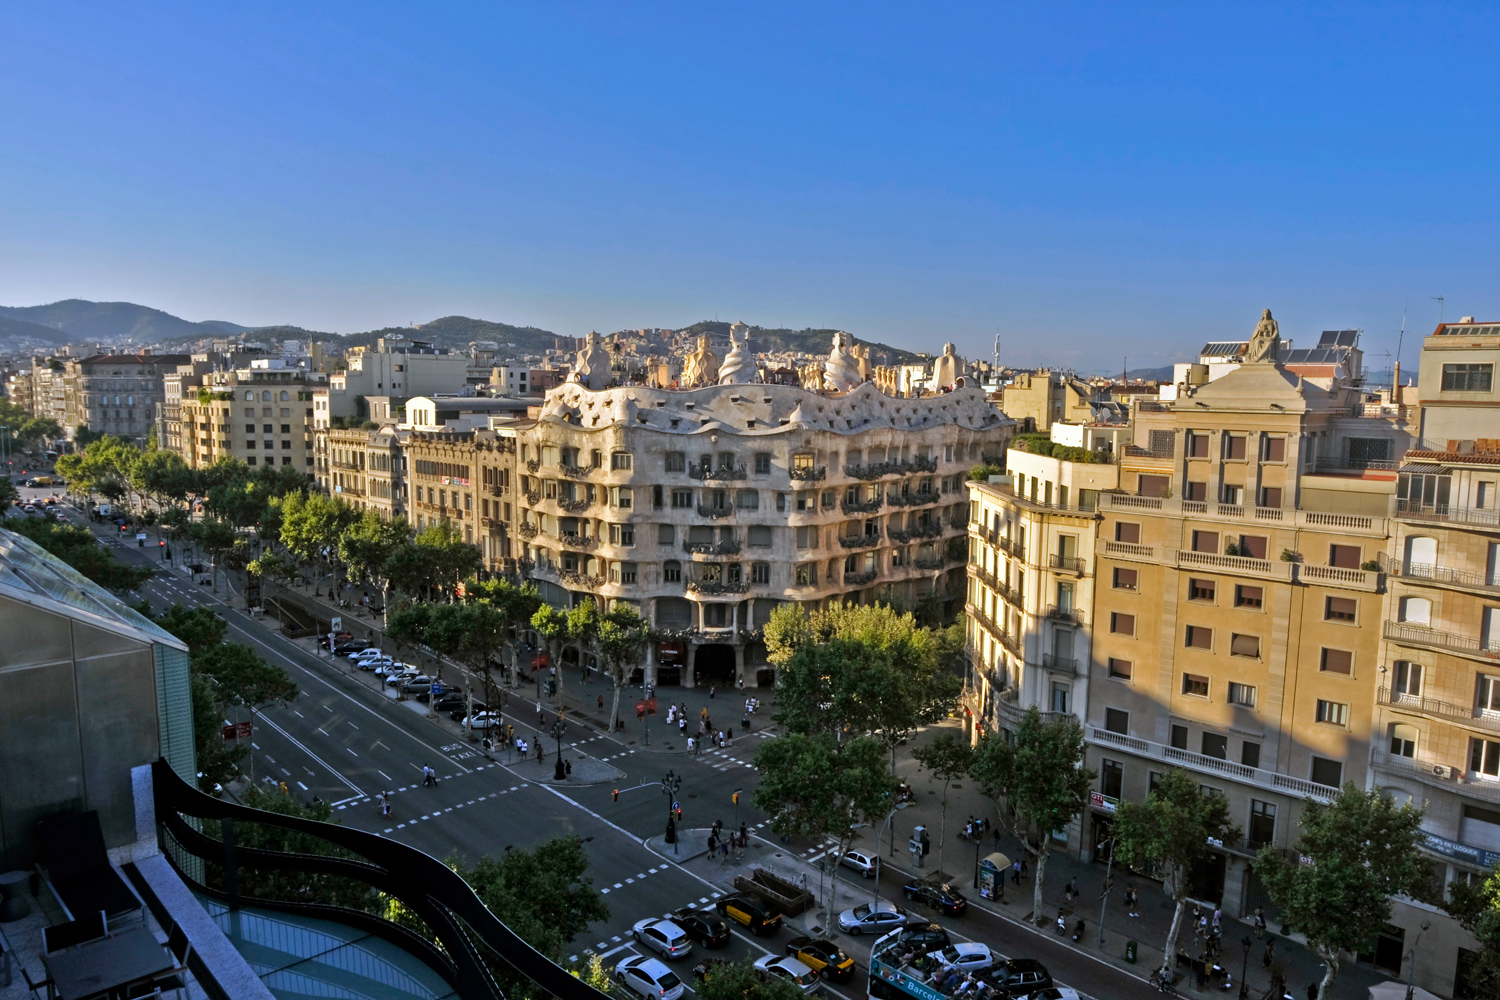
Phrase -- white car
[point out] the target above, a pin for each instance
(861, 861)
(399, 673)
(663, 937)
(1054, 993)
(965, 956)
(870, 919)
(793, 971)
(649, 977)
(483, 720)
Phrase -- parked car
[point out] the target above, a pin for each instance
(789, 969)
(703, 926)
(861, 861)
(965, 956)
(940, 897)
(398, 674)
(417, 684)
(351, 646)
(1019, 977)
(368, 653)
(649, 977)
(822, 956)
(449, 700)
(663, 937)
(483, 720)
(752, 913)
(871, 918)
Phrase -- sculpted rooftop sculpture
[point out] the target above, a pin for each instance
(841, 370)
(739, 367)
(593, 366)
(1266, 344)
(701, 367)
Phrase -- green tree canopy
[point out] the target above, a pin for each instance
(620, 636)
(544, 895)
(743, 981)
(1171, 829)
(1360, 849)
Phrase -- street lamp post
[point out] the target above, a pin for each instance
(1411, 959)
(1108, 885)
(889, 820)
(559, 727)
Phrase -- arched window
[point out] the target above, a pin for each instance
(265, 397)
(129, 400)
(250, 398)
(1421, 552)
(1416, 610)
(284, 396)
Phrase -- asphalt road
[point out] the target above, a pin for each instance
(343, 742)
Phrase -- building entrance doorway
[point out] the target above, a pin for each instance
(714, 664)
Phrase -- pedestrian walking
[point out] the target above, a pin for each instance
(682, 726)
(692, 746)
(744, 836)
(721, 739)
(710, 691)
(1260, 922)
(426, 776)
(724, 856)
(1131, 900)
(1218, 916)
(1270, 953)
(541, 754)
(601, 704)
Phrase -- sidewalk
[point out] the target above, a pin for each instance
(959, 859)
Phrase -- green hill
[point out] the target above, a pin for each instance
(809, 341)
(18, 336)
(109, 322)
(458, 331)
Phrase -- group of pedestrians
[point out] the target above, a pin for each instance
(720, 843)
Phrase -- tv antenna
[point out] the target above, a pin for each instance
(1399, 339)
(1439, 300)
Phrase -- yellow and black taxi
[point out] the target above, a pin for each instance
(822, 956)
(759, 917)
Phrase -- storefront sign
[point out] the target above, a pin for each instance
(1476, 856)
(1101, 801)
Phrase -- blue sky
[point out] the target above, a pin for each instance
(1087, 181)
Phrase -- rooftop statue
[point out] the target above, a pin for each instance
(739, 367)
(593, 365)
(946, 369)
(701, 367)
(1266, 344)
(841, 370)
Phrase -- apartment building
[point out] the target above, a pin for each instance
(706, 508)
(397, 367)
(366, 468)
(464, 477)
(1437, 723)
(1031, 587)
(1035, 400)
(262, 415)
(117, 394)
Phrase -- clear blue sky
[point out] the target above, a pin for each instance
(1090, 181)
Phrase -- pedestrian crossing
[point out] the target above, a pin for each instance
(448, 809)
(640, 876)
(357, 800)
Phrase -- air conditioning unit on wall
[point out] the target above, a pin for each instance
(1444, 771)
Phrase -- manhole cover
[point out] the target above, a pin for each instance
(694, 796)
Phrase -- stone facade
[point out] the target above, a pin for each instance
(706, 508)
(262, 416)
(114, 393)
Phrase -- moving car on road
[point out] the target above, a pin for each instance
(822, 956)
(965, 956)
(789, 969)
(649, 977)
(943, 898)
(663, 937)
(919, 938)
(1019, 977)
(872, 918)
(759, 917)
(861, 861)
(703, 926)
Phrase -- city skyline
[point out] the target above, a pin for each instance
(1083, 183)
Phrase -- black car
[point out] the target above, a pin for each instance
(703, 926)
(943, 898)
(449, 700)
(1018, 977)
(924, 937)
(350, 646)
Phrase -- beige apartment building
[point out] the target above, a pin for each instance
(117, 394)
(1036, 400)
(1031, 586)
(1437, 725)
(365, 468)
(262, 415)
(706, 508)
(465, 478)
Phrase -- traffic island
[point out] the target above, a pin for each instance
(585, 770)
(691, 843)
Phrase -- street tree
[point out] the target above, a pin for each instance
(743, 981)
(1171, 829)
(621, 638)
(861, 669)
(584, 619)
(215, 537)
(551, 626)
(948, 758)
(1357, 852)
(544, 894)
(517, 603)
(1038, 784)
(818, 788)
(1475, 904)
(39, 430)
(197, 626)
(406, 626)
(409, 571)
(451, 558)
(367, 546)
(311, 527)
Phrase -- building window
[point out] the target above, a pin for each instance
(1112, 778)
(1344, 556)
(671, 571)
(619, 461)
(682, 499)
(1273, 450)
(1335, 713)
(1121, 624)
(1262, 829)
(1253, 546)
(1195, 685)
(807, 536)
(676, 461)
(760, 572)
(1487, 698)
(1214, 745)
(759, 536)
(1195, 491)
(1117, 720)
(666, 534)
(1201, 590)
(1060, 695)
(1468, 377)
(1406, 678)
(1179, 738)
(1270, 496)
(1249, 753)
(657, 497)
(627, 571)
(1340, 609)
(747, 499)
(1327, 772)
(1206, 541)
(1198, 637)
(1120, 669)
(1125, 579)
(622, 534)
(1248, 597)
(1197, 445)
(1403, 740)
(762, 463)
(1128, 532)
(1244, 645)
(1154, 486)
(1484, 757)
(806, 575)
(803, 461)
(1234, 448)
(1241, 694)
(1337, 661)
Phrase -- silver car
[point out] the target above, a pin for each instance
(649, 977)
(663, 937)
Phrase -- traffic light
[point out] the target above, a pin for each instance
(736, 798)
(617, 795)
(679, 812)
